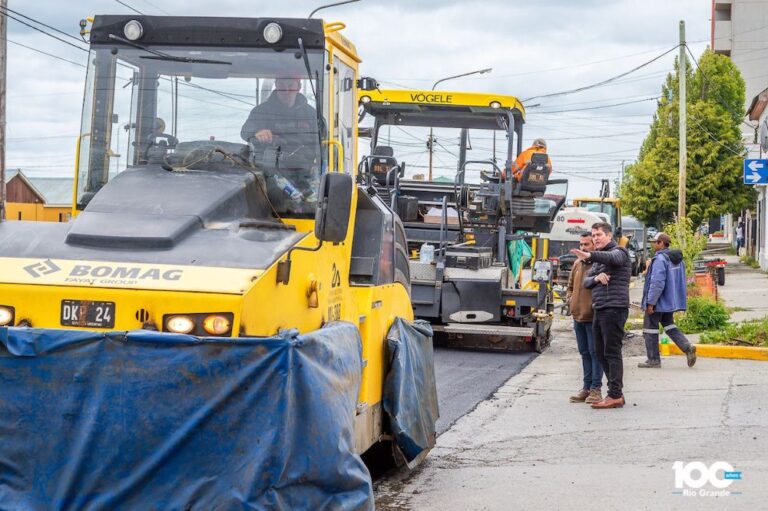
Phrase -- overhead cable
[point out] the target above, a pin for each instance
(707, 79)
(46, 53)
(129, 7)
(606, 81)
(17, 13)
(599, 107)
(42, 31)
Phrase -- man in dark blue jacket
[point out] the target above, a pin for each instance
(287, 123)
(664, 293)
(609, 281)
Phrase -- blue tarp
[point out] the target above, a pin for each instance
(410, 392)
(150, 421)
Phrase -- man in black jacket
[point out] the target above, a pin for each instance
(288, 122)
(609, 281)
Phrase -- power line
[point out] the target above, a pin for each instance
(716, 92)
(129, 7)
(612, 135)
(537, 71)
(581, 103)
(606, 81)
(17, 13)
(590, 155)
(599, 107)
(46, 53)
(43, 31)
(157, 7)
(714, 137)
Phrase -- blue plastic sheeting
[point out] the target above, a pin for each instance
(410, 393)
(152, 421)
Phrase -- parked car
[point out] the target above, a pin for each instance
(637, 256)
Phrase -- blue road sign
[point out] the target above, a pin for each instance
(755, 172)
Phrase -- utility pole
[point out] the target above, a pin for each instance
(429, 145)
(3, 61)
(621, 176)
(682, 72)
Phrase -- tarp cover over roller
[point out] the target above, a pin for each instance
(151, 421)
(410, 392)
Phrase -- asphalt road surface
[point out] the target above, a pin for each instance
(466, 378)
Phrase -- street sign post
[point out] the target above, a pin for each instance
(755, 172)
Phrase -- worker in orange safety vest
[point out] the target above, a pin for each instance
(539, 146)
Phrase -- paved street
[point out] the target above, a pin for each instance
(465, 378)
(527, 447)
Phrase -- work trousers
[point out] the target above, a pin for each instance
(608, 329)
(651, 334)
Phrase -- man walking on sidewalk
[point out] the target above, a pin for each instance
(579, 300)
(609, 281)
(664, 293)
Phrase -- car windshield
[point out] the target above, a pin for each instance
(602, 207)
(203, 108)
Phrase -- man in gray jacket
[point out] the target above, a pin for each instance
(609, 281)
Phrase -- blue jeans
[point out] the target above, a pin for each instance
(593, 371)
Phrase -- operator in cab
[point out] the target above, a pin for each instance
(539, 146)
(283, 133)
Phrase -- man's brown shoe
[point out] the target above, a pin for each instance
(580, 396)
(609, 402)
(595, 396)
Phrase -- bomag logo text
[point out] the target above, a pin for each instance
(432, 98)
(124, 272)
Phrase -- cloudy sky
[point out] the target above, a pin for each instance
(534, 47)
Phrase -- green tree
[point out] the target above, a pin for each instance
(687, 239)
(715, 108)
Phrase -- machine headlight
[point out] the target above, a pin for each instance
(273, 33)
(495, 104)
(6, 315)
(365, 99)
(133, 30)
(216, 324)
(179, 324)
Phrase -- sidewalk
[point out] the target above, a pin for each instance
(529, 448)
(745, 288)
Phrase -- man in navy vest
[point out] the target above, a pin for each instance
(664, 293)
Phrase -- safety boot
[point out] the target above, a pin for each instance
(580, 396)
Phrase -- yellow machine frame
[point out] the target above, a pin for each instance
(319, 289)
(430, 97)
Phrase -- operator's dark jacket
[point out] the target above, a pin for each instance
(296, 125)
(613, 260)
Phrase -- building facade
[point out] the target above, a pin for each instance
(740, 31)
(758, 113)
(43, 199)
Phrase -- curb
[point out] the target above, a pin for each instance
(717, 351)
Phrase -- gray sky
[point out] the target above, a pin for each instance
(534, 48)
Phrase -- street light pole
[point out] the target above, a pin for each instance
(431, 142)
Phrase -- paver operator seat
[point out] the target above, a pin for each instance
(534, 177)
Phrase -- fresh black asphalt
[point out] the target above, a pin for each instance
(466, 378)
